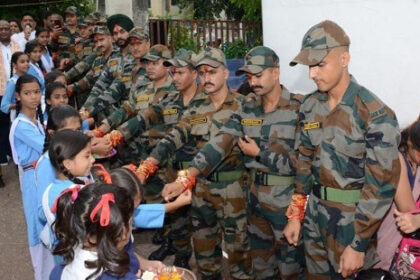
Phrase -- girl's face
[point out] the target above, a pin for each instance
(35, 54)
(414, 154)
(58, 97)
(29, 96)
(81, 164)
(61, 79)
(21, 65)
(43, 38)
(72, 123)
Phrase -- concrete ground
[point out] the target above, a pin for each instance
(14, 252)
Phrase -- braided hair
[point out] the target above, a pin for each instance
(26, 79)
(66, 144)
(57, 119)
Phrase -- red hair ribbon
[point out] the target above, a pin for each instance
(104, 173)
(103, 206)
(74, 193)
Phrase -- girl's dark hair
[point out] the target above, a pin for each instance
(73, 227)
(26, 79)
(52, 76)
(40, 30)
(411, 133)
(66, 144)
(51, 87)
(122, 177)
(15, 20)
(57, 119)
(31, 45)
(15, 58)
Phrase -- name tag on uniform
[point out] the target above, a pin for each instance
(87, 49)
(311, 125)
(170, 111)
(198, 121)
(97, 68)
(113, 62)
(126, 79)
(63, 39)
(98, 53)
(251, 121)
(142, 98)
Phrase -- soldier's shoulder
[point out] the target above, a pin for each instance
(374, 107)
(297, 97)
(309, 100)
(251, 100)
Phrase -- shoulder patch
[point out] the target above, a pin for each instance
(377, 114)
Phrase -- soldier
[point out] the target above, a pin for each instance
(103, 42)
(218, 205)
(167, 113)
(119, 25)
(347, 161)
(112, 97)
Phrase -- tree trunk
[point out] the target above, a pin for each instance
(141, 13)
(101, 6)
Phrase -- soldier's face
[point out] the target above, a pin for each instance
(265, 81)
(102, 42)
(138, 48)
(120, 36)
(155, 69)
(329, 72)
(71, 19)
(213, 79)
(183, 77)
(85, 32)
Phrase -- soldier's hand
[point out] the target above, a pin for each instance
(104, 128)
(407, 223)
(248, 146)
(172, 190)
(350, 262)
(101, 146)
(292, 231)
(184, 198)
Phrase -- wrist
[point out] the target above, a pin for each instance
(359, 244)
(296, 209)
(146, 168)
(185, 178)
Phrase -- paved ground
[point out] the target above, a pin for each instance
(14, 252)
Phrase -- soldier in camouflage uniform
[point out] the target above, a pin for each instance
(265, 129)
(112, 97)
(103, 41)
(119, 66)
(218, 204)
(347, 161)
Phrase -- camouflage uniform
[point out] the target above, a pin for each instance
(348, 162)
(218, 204)
(82, 86)
(270, 194)
(66, 40)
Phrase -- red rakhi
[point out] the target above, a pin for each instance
(74, 194)
(104, 173)
(103, 206)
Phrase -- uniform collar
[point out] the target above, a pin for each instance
(349, 94)
(206, 97)
(283, 101)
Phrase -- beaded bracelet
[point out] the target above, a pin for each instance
(296, 209)
(186, 179)
(146, 168)
(115, 137)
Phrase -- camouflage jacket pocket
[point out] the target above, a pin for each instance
(253, 131)
(170, 116)
(143, 101)
(350, 148)
(200, 128)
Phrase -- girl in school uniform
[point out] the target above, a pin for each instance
(93, 226)
(34, 51)
(42, 35)
(27, 140)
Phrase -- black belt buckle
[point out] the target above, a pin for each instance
(316, 190)
(213, 177)
(176, 165)
(260, 178)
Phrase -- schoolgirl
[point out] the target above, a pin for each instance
(34, 51)
(42, 35)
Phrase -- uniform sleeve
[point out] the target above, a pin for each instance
(216, 150)
(27, 134)
(382, 173)
(149, 216)
(8, 97)
(80, 68)
(283, 164)
(102, 83)
(85, 83)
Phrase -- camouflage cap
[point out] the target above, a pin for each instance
(89, 19)
(102, 30)
(71, 10)
(258, 59)
(82, 22)
(156, 52)
(318, 42)
(98, 18)
(139, 33)
(182, 58)
(210, 56)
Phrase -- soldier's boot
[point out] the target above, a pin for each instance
(167, 249)
(182, 261)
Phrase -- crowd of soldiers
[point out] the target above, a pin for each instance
(287, 186)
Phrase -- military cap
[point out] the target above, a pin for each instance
(89, 19)
(319, 41)
(71, 10)
(102, 30)
(258, 59)
(182, 58)
(120, 19)
(156, 52)
(210, 56)
(139, 33)
(82, 22)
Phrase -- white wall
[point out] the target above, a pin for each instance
(119, 7)
(385, 45)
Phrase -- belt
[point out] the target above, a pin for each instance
(336, 195)
(225, 176)
(179, 165)
(29, 166)
(267, 179)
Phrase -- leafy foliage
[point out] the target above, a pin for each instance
(236, 49)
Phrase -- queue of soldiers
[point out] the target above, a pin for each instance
(287, 186)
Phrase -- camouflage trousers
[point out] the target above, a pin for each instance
(219, 213)
(327, 230)
(272, 256)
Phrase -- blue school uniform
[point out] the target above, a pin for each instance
(9, 96)
(149, 216)
(37, 73)
(27, 142)
(44, 176)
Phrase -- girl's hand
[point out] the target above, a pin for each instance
(155, 266)
(101, 146)
(172, 190)
(407, 223)
(184, 198)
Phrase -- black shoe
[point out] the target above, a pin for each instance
(164, 251)
(2, 184)
(182, 261)
(158, 238)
